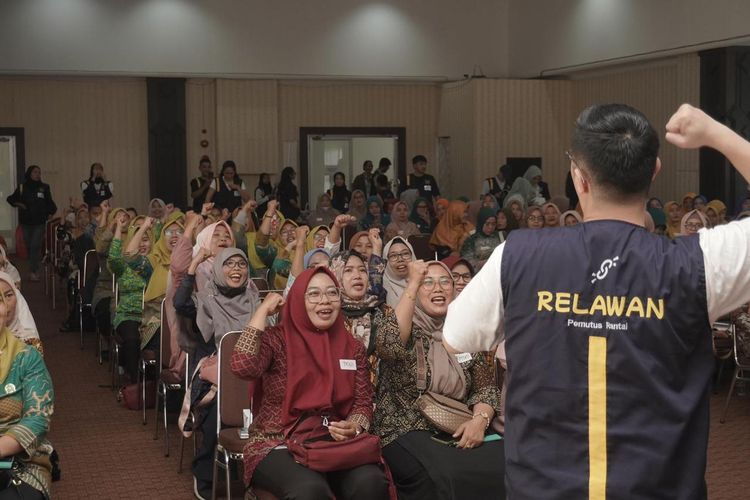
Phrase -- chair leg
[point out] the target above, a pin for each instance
(54, 302)
(80, 315)
(143, 390)
(729, 395)
(115, 360)
(99, 346)
(182, 454)
(227, 475)
(166, 429)
(156, 409)
(215, 474)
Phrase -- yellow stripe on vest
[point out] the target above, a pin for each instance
(597, 418)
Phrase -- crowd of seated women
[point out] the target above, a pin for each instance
(346, 343)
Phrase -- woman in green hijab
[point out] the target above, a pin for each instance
(479, 246)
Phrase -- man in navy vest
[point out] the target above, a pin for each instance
(606, 326)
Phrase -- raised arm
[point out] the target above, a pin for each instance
(691, 128)
(407, 303)
(482, 299)
(252, 356)
(132, 248)
(298, 261)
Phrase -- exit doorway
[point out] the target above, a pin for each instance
(11, 169)
(327, 150)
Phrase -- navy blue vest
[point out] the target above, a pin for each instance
(609, 363)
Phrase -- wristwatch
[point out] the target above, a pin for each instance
(485, 416)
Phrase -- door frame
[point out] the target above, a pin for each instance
(304, 154)
(18, 133)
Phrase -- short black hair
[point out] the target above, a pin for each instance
(381, 180)
(204, 159)
(618, 147)
(419, 159)
(384, 162)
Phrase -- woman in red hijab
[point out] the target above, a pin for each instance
(310, 365)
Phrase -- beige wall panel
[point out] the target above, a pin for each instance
(521, 118)
(200, 114)
(657, 90)
(330, 104)
(71, 123)
(457, 126)
(247, 129)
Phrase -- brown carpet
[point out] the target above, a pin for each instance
(106, 452)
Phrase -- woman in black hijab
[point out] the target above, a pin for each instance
(288, 194)
(33, 199)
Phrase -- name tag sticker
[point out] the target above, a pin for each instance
(463, 357)
(40, 195)
(427, 187)
(348, 364)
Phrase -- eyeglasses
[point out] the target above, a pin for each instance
(316, 295)
(694, 226)
(239, 264)
(570, 157)
(535, 218)
(445, 283)
(171, 232)
(320, 236)
(395, 257)
(465, 277)
(421, 206)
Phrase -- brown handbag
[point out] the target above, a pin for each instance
(444, 413)
(312, 446)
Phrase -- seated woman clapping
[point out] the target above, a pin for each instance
(424, 462)
(26, 406)
(311, 368)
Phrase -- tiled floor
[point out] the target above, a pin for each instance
(107, 454)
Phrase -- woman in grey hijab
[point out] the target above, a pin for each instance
(229, 300)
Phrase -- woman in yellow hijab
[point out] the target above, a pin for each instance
(26, 407)
(155, 269)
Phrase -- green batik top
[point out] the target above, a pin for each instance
(130, 284)
(26, 406)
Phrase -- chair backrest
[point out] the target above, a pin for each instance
(260, 283)
(165, 340)
(90, 266)
(232, 396)
(741, 340)
(422, 248)
(49, 234)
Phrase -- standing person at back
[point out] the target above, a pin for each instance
(200, 185)
(365, 181)
(228, 190)
(96, 188)
(33, 199)
(422, 181)
(498, 185)
(607, 327)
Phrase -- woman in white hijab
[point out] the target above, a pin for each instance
(19, 321)
(8, 268)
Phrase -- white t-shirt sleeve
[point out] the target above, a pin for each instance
(111, 188)
(332, 248)
(726, 258)
(486, 187)
(475, 318)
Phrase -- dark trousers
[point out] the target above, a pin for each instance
(21, 492)
(103, 317)
(130, 348)
(33, 236)
(203, 462)
(279, 474)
